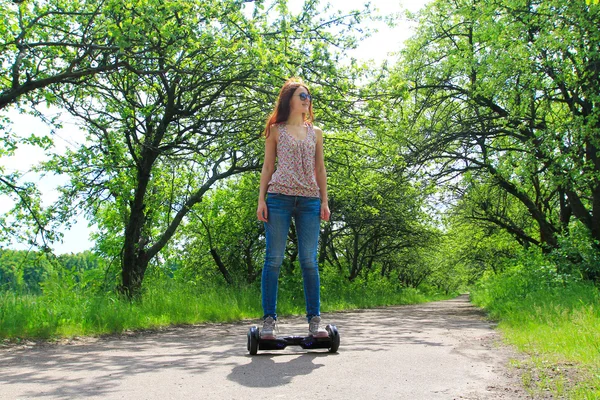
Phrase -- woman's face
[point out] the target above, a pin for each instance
(300, 101)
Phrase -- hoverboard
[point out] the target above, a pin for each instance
(331, 342)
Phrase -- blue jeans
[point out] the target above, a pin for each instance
(306, 212)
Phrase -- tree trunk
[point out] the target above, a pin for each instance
(594, 159)
(250, 268)
(565, 210)
(547, 230)
(135, 259)
(355, 266)
(221, 266)
(133, 270)
(323, 246)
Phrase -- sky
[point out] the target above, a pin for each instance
(378, 47)
(387, 40)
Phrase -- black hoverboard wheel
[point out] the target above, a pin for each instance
(253, 336)
(335, 338)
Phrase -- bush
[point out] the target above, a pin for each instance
(578, 254)
(528, 273)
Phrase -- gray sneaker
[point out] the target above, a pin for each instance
(314, 328)
(268, 330)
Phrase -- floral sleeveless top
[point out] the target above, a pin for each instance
(295, 172)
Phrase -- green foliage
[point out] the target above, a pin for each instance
(530, 272)
(22, 271)
(373, 291)
(48, 42)
(499, 107)
(185, 112)
(26, 221)
(43, 44)
(578, 254)
(172, 96)
(223, 228)
(378, 211)
(34, 272)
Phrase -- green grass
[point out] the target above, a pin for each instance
(81, 313)
(557, 325)
(68, 311)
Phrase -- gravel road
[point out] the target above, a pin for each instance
(440, 350)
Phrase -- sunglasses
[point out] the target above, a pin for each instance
(303, 96)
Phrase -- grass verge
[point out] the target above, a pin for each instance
(68, 312)
(557, 326)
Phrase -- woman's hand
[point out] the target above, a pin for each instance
(325, 213)
(262, 212)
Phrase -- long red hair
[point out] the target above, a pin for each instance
(281, 112)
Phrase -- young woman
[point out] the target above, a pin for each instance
(297, 189)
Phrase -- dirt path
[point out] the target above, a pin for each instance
(441, 350)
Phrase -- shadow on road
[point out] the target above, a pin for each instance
(64, 371)
(265, 371)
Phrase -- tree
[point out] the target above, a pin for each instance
(184, 114)
(506, 91)
(44, 44)
(223, 236)
(377, 212)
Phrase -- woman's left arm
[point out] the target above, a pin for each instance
(321, 175)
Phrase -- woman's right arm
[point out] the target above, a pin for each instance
(267, 171)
